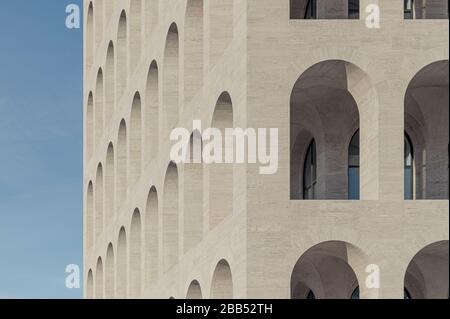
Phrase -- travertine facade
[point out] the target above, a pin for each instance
(155, 229)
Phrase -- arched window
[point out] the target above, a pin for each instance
(353, 167)
(409, 173)
(310, 172)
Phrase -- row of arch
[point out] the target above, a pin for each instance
(325, 112)
(122, 60)
(123, 168)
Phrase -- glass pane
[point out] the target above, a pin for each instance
(353, 151)
(353, 183)
(408, 183)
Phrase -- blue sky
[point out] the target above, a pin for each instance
(40, 149)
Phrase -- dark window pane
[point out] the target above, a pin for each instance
(353, 183)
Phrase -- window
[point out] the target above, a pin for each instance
(311, 295)
(353, 9)
(310, 172)
(353, 167)
(408, 176)
(409, 9)
(311, 10)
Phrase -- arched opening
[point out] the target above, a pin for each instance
(193, 193)
(151, 15)
(151, 237)
(136, 255)
(135, 139)
(89, 235)
(152, 112)
(98, 21)
(99, 279)
(99, 201)
(323, 9)
(99, 107)
(324, 116)
(170, 218)
(170, 79)
(427, 275)
(121, 179)
(194, 291)
(109, 184)
(121, 262)
(324, 272)
(193, 49)
(109, 272)
(90, 36)
(122, 59)
(423, 9)
(136, 33)
(90, 126)
(221, 174)
(426, 126)
(109, 82)
(90, 285)
(221, 21)
(222, 281)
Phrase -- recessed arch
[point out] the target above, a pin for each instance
(194, 291)
(135, 33)
(90, 285)
(170, 218)
(221, 28)
(99, 201)
(109, 272)
(135, 139)
(193, 49)
(151, 112)
(122, 57)
(109, 82)
(99, 279)
(427, 275)
(89, 36)
(89, 235)
(136, 255)
(99, 107)
(121, 262)
(122, 160)
(222, 281)
(151, 237)
(90, 125)
(109, 183)
(221, 194)
(171, 79)
(193, 193)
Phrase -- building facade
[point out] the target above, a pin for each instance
(358, 91)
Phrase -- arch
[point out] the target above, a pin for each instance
(193, 49)
(99, 202)
(109, 272)
(151, 237)
(135, 32)
(151, 14)
(90, 126)
(427, 275)
(326, 271)
(353, 167)
(89, 235)
(99, 279)
(121, 179)
(90, 285)
(121, 262)
(222, 281)
(326, 105)
(122, 57)
(171, 79)
(109, 82)
(221, 194)
(170, 218)
(316, 9)
(194, 291)
(99, 107)
(109, 184)
(135, 140)
(151, 112)
(426, 109)
(136, 255)
(89, 36)
(193, 193)
(221, 28)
